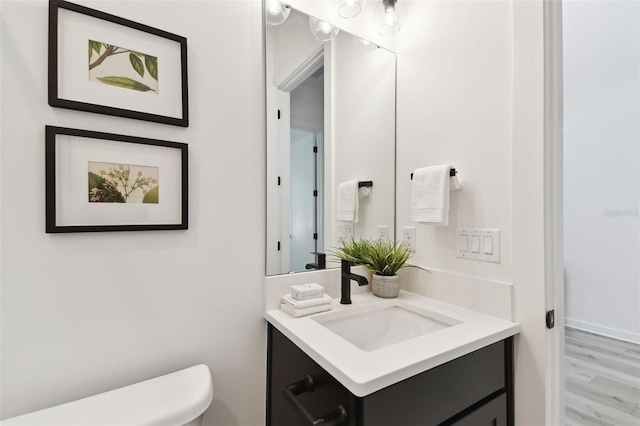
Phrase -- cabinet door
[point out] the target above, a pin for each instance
(288, 365)
(436, 395)
(493, 413)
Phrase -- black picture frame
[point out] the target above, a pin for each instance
(69, 207)
(64, 91)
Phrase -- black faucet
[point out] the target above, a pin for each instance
(321, 261)
(347, 276)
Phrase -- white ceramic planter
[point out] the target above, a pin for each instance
(385, 286)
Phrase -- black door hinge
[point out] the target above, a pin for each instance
(315, 149)
(315, 236)
(278, 114)
(278, 180)
(550, 319)
(315, 192)
(278, 245)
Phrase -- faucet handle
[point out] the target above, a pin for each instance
(321, 259)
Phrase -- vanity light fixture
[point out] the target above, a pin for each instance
(390, 25)
(322, 30)
(276, 12)
(350, 8)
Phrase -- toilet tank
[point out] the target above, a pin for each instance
(173, 399)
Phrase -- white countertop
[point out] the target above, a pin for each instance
(366, 372)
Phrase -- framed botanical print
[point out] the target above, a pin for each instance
(105, 64)
(106, 182)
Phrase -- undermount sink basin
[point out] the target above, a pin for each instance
(370, 330)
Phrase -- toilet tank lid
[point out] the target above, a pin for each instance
(173, 399)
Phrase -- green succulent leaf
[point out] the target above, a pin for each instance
(125, 82)
(137, 64)
(152, 65)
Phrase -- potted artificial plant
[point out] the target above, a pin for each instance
(384, 259)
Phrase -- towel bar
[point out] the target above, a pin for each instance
(365, 183)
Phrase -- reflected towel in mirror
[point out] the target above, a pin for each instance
(347, 205)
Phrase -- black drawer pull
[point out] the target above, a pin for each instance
(309, 384)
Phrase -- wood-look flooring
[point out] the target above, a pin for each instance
(602, 380)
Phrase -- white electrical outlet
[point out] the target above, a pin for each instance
(409, 237)
(345, 232)
(383, 233)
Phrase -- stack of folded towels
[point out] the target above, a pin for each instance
(305, 299)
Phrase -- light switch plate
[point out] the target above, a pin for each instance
(486, 247)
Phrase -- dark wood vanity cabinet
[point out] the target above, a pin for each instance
(473, 390)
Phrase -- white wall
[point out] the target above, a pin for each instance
(84, 313)
(602, 166)
(454, 107)
(470, 77)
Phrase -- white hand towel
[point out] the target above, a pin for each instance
(347, 206)
(430, 195)
(292, 303)
(301, 312)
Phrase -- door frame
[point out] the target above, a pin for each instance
(553, 211)
(305, 70)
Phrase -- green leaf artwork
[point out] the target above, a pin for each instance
(151, 197)
(152, 65)
(136, 63)
(125, 82)
(122, 183)
(136, 71)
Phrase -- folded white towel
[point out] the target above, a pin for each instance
(430, 194)
(301, 312)
(347, 205)
(306, 291)
(291, 302)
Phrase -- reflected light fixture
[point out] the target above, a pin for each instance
(350, 8)
(364, 46)
(276, 12)
(390, 25)
(321, 30)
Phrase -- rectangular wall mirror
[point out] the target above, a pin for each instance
(331, 110)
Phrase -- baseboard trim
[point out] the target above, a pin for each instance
(603, 331)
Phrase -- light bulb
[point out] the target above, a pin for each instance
(390, 25)
(364, 46)
(276, 12)
(325, 28)
(350, 8)
(322, 31)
